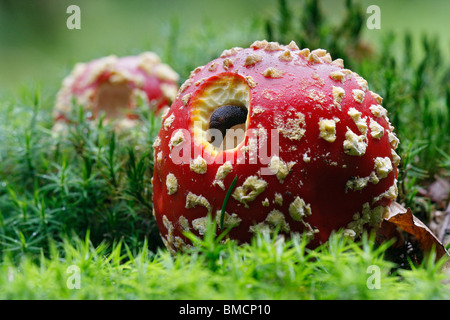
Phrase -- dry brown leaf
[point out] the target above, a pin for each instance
(403, 219)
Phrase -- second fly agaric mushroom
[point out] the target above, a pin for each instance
(113, 85)
(312, 151)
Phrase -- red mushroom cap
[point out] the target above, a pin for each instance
(112, 85)
(315, 154)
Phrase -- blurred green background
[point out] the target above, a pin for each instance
(35, 44)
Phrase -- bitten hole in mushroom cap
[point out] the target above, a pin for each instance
(219, 112)
(112, 99)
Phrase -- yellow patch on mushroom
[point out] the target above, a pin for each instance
(184, 223)
(338, 94)
(212, 66)
(273, 73)
(286, 56)
(390, 193)
(395, 157)
(198, 165)
(180, 244)
(250, 189)
(292, 127)
(372, 217)
(278, 199)
(338, 76)
(157, 142)
(230, 52)
(177, 138)
(373, 178)
(293, 46)
(222, 173)
(200, 81)
(306, 157)
(358, 95)
(195, 71)
(280, 168)
(319, 52)
(186, 98)
(259, 44)
(378, 111)
(376, 130)
(252, 59)
(327, 129)
(354, 145)
(227, 63)
(298, 209)
(102, 65)
(171, 183)
(360, 122)
(341, 75)
(382, 166)
(148, 59)
(304, 52)
(193, 200)
(184, 86)
(199, 224)
(168, 122)
(251, 82)
(357, 183)
(338, 62)
(327, 58)
(169, 91)
(274, 219)
(393, 140)
(169, 226)
(257, 110)
(229, 220)
(313, 58)
(317, 96)
(165, 73)
(159, 157)
(273, 46)
(377, 97)
(362, 83)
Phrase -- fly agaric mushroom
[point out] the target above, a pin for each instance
(113, 85)
(313, 150)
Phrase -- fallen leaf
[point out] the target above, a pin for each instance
(402, 218)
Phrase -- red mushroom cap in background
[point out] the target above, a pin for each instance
(113, 85)
(315, 152)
